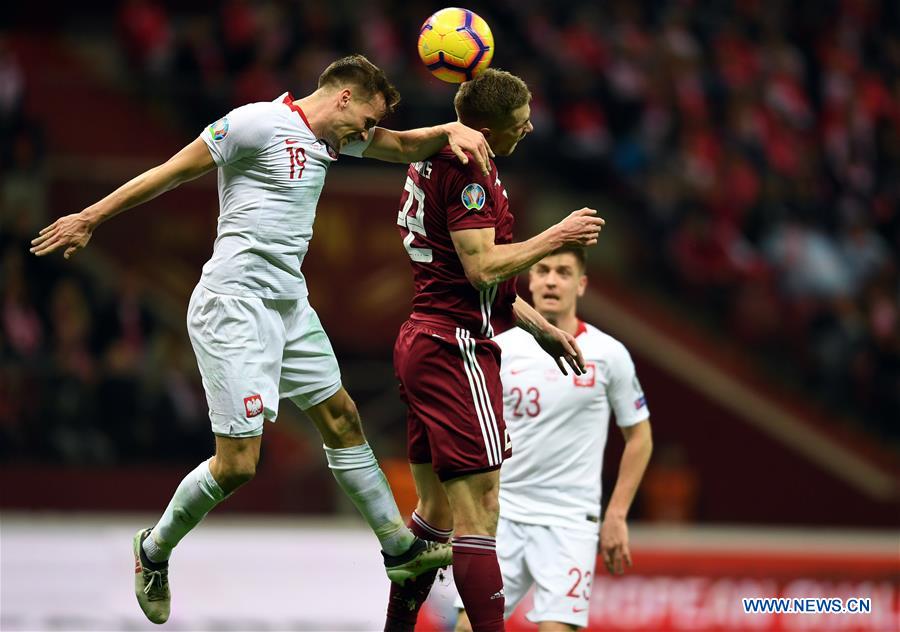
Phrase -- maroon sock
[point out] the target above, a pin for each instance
(404, 601)
(478, 580)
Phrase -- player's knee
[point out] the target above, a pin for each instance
(346, 426)
(235, 472)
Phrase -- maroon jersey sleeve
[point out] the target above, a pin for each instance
(468, 199)
(442, 196)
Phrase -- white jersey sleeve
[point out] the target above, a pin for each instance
(242, 132)
(623, 390)
(358, 147)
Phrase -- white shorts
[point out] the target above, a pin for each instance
(254, 351)
(559, 562)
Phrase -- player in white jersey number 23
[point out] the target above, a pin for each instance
(256, 338)
(550, 488)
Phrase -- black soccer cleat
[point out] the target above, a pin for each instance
(422, 556)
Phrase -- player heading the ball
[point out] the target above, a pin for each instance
(456, 225)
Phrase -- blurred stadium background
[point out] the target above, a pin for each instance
(746, 156)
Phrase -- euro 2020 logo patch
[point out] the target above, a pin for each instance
(219, 129)
(473, 197)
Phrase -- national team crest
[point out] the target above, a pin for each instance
(219, 129)
(587, 379)
(253, 405)
(473, 197)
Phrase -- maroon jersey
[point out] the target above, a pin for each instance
(443, 195)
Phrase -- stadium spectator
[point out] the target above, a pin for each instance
(724, 129)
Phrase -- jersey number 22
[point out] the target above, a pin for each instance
(413, 220)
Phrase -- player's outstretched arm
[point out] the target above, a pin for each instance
(418, 144)
(487, 263)
(614, 531)
(560, 345)
(73, 232)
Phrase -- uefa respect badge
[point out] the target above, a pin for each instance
(473, 197)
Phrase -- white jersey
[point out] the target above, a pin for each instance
(271, 172)
(558, 426)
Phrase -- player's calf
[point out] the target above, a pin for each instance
(475, 504)
(476, 573)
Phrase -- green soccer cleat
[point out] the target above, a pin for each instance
(151, 582)
(422, 556)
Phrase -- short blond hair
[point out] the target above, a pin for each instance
(490, 97)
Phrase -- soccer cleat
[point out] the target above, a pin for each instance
(151, 582)
(423, 555)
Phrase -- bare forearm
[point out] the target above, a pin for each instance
(191, 162)
(70, 233)
(487, 263)
(420, 143)
(631, 471)
(528, 318)
(136, 191)
(505, 261)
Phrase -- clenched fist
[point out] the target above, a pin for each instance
(581, 227)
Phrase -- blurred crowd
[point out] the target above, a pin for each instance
(88, 375)
(756, 144)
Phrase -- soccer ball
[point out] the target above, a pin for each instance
(456, 44)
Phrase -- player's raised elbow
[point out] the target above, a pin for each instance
(475, 258)
(479, 279)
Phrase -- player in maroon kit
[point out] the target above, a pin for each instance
(457, 228)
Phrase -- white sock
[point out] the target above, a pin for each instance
(361, 478)
(197, 493)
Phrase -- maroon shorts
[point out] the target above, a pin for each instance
(451, 385)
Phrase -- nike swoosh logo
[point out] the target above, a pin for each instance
(291, 141)
(577, 610)
(516, 371)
